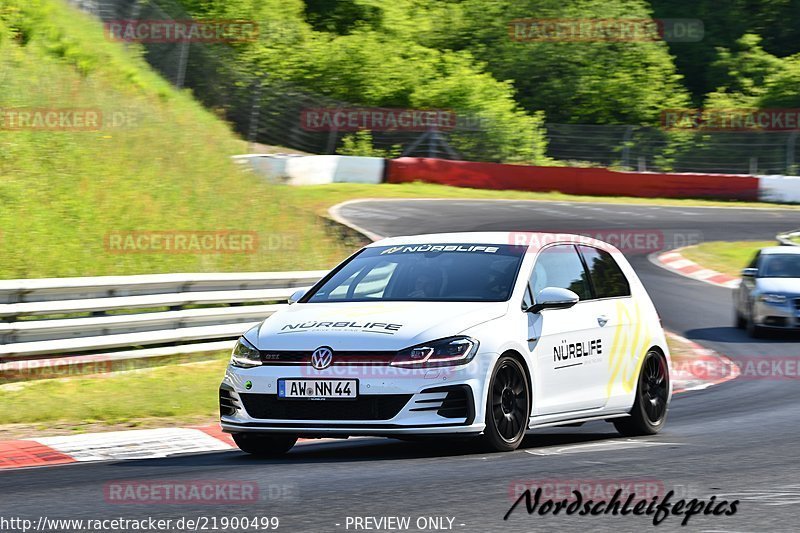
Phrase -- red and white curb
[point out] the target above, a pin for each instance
(705, 369)
(112, 445)
(675, 262)
(116, 446)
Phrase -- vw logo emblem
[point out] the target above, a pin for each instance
(322, 358)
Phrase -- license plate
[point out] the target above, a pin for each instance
(318, 388)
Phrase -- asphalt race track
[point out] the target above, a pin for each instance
(738, 440)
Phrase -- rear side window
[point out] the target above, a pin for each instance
(606, 276)
(560, 266)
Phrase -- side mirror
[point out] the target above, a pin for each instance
(553, 298)
(749, 272)
(296, 295)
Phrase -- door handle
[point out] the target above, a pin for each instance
(602, 320)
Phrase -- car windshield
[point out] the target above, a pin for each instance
(779, 266)
(425, 272)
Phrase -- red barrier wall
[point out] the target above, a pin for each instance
(590, 181)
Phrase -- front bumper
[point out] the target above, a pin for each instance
(391, 401)
(785, 316)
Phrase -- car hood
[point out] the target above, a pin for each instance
(788, 286)
(369, 326)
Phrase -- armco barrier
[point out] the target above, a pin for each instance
(179, 310)
(569, 180)
(159, 309)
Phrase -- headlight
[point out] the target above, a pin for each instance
(775, 299)
(245, 355)
(444, 352)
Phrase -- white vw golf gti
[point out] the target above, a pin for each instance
(484, 334)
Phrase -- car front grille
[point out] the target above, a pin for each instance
(367, 407)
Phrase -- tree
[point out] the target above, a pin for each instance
(591, 82)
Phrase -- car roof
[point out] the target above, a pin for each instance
(534, 240)
(775, 250)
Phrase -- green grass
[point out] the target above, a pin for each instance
(726, 257)
(180, 392)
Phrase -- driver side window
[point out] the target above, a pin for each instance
(560, 266)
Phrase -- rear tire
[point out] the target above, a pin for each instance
(507, 406)
(264, 445)
(650, 407)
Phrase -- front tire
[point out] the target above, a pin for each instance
(507, 406)
(264, 445)
(753, 329)
(650, 407)
(739, 319)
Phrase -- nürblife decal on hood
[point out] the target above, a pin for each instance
(343, 325)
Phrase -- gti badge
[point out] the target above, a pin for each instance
(322, 358)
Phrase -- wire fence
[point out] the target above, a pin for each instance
(270, 112)
(653, 149)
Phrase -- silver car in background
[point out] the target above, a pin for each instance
(769, 294)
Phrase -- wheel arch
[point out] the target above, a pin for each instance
(514, 354)
(667, 360)
(657, 348)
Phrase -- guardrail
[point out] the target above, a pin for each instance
(790, 238)
(61, 317)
